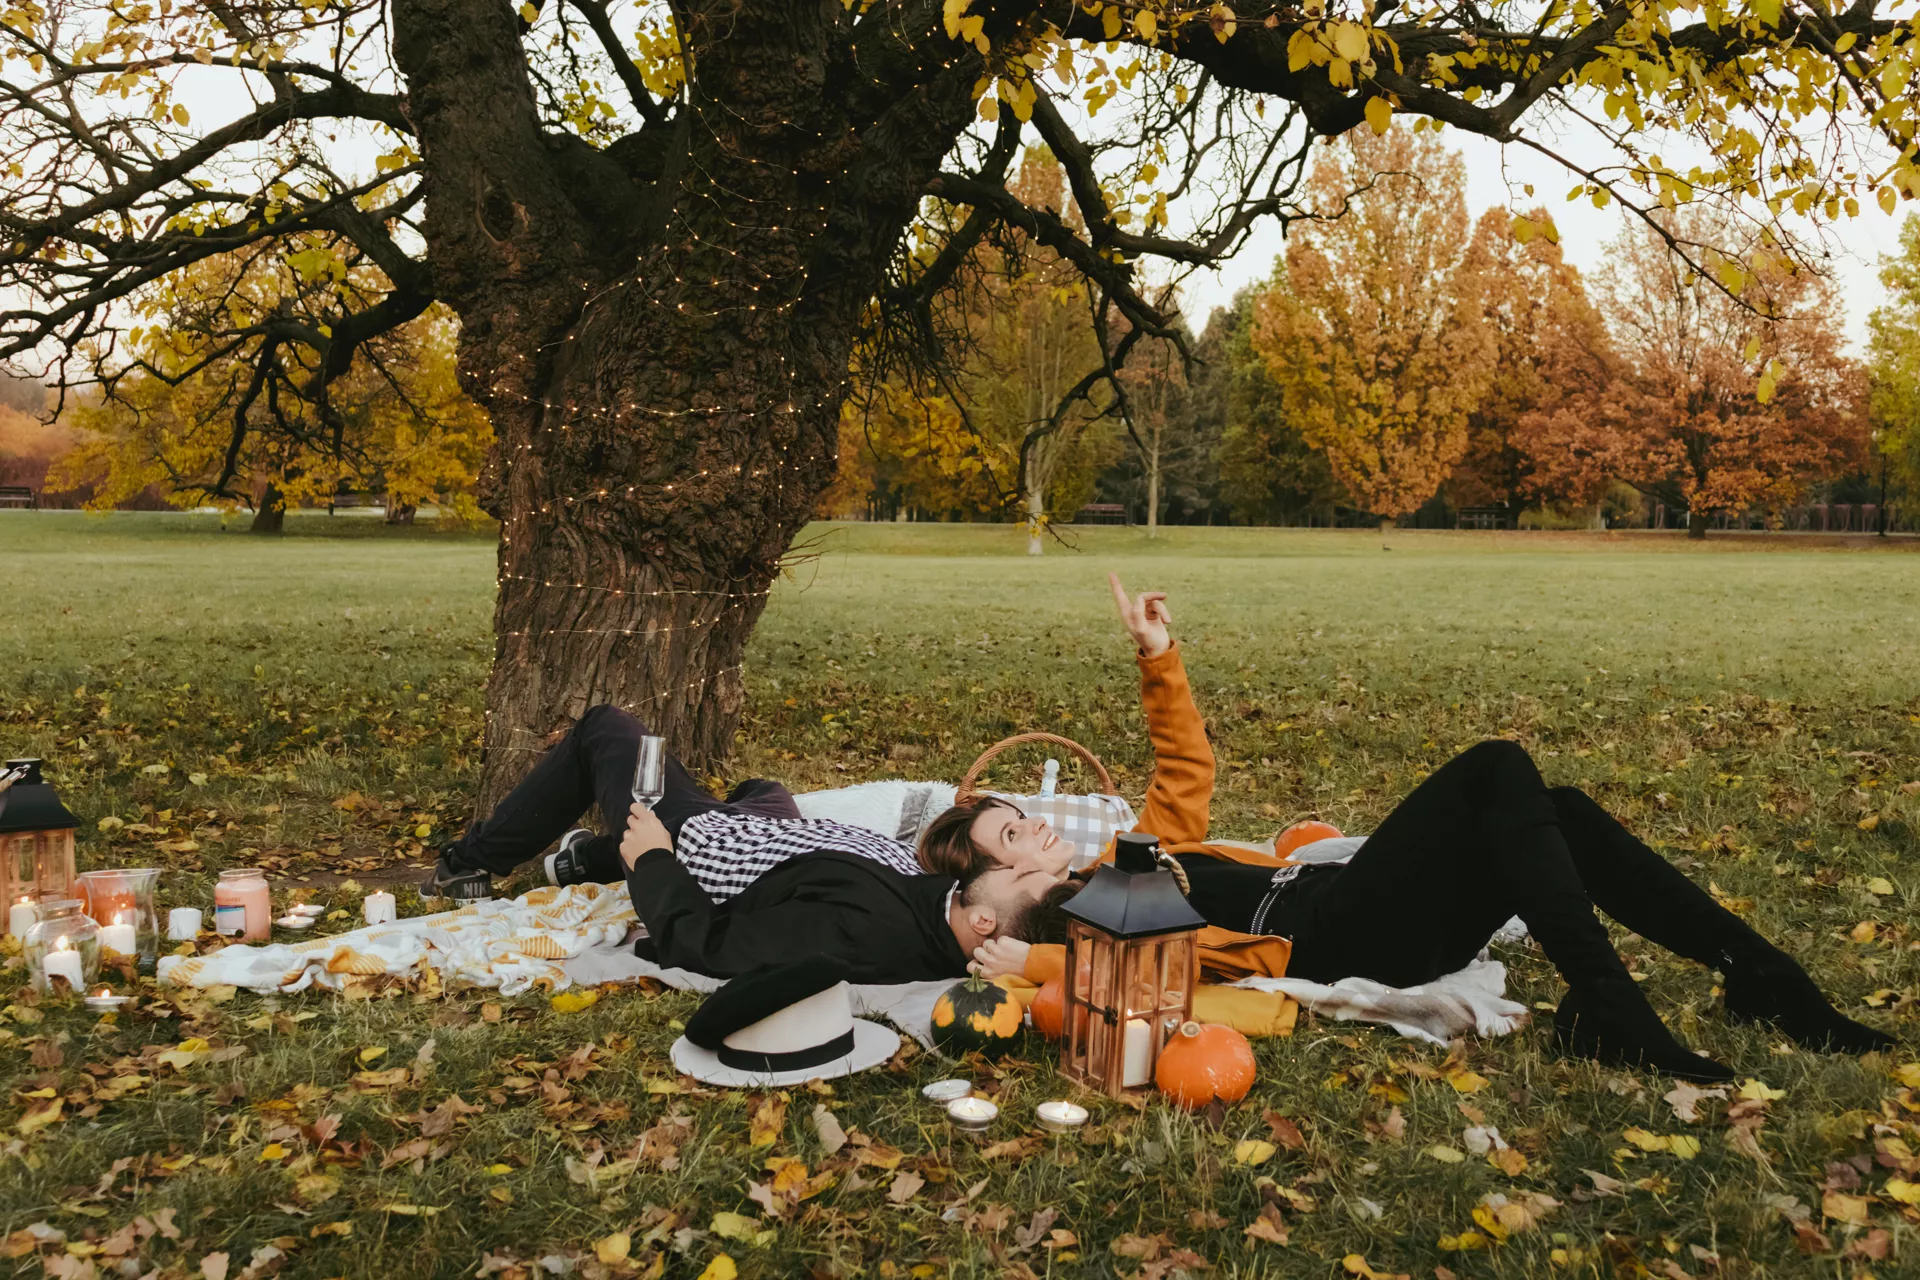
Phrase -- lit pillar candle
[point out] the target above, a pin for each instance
(183, 924)
(20, 917)
(64, 962)
(120, 936)
(378, 907)
(1135, 1066)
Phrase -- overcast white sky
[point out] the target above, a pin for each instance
(1497, 175)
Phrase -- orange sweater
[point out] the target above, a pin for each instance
(1177, 809)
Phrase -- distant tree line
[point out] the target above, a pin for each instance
(1404, 362)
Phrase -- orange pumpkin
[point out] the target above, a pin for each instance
(1049, 1009)
(1301, 834)
(1204, 1062)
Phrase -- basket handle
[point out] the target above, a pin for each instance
(966, 792)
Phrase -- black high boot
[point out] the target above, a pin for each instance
(1765, 984)
(1621, 1029)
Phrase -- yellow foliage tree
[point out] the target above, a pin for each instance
(1373, 332)
(209, 411)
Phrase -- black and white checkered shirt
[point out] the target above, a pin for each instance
(726, 852)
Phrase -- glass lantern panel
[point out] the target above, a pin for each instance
(26, 863)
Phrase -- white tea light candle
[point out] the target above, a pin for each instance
(183, 924)
(378, 907)
(106, 1002)
(295, 922)
(945, 1091)
(1061, 1116)
(972, 1113)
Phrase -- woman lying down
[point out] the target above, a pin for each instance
(1479, 841)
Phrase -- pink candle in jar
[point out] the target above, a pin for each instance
(243, 905)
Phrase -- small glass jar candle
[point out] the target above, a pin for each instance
(63, 943)
(243, 905)
(121, 903)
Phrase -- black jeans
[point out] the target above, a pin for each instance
(593, 765)
(1481, 840)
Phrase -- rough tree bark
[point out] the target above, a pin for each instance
(661, 332)
(271, 515)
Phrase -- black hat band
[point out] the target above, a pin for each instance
(748, 1060)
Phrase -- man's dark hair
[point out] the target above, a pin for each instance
(947, 847)
(1045, 919)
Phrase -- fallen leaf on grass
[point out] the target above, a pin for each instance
(1864, 931)
(1356, 1265)
(721, 1268)
(340, 1227)
(574, 1001)
(1251, 1151)
(827, 1127)
(1205, 1220)
(1755, 1091)
(1465, 1081)
(43, 1112)
(1879, 886)
(1508, 1161)
(371, 1054)
(1287, 1133)
(1018, 1148)
(1445, 1154)
(1680, 1144)
(411, 1210)
(1269, 1226)
(1145, 1248)
(1852, 1210)
(613, 1248)
(1604, 1185)
(1464, 1242)
(1903, 1191)
(738, 1226)
(1686, 1098)
(906, 1185)
(1036, 1230)
(769, 1118)
(214, 1266)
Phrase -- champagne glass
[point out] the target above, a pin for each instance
(650, 771)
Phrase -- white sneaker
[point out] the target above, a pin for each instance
(564, 866)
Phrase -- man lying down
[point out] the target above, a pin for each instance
(723, 886)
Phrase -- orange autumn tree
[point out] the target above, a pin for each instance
(1724, 404)
(1550, 346)
(1373, 330)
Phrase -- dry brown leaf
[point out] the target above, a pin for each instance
(906, 1185)
(769, 1118)
(1284, 1131)
(214, 1266)
(827, 1127)
(1145, 1248)
(1269, 1226)
(1507, 1161)
(1852, 1210)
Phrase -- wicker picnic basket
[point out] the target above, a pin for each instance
(967, 792)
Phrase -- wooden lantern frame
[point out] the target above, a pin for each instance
(36, 836)
(1118, 982)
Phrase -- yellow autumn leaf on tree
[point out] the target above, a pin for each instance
(1350, 41)
(1146, 24)
(950, 13)
(1379, 114)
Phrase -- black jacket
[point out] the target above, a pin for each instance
(884, 926)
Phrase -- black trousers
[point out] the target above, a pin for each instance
(593, 765)
(1480, 840)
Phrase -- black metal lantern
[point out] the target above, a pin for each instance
(36, 837)
(1131, 966)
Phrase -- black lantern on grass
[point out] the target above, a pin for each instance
(1131, 966)
(36, 838)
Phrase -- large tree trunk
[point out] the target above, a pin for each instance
(1153, 489)
(661, 332)
(1696, 523)
(271, 515)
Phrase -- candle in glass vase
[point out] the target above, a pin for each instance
(120, 935)
(63, 961)
(21, 915)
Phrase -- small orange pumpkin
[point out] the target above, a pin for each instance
(1301, 834)
(1049, 1009)
(1204, 1062)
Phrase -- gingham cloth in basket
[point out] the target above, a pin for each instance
(1089, 821)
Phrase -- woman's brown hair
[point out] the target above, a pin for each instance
(947, 847)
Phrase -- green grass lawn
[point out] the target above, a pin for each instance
(313, 702)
